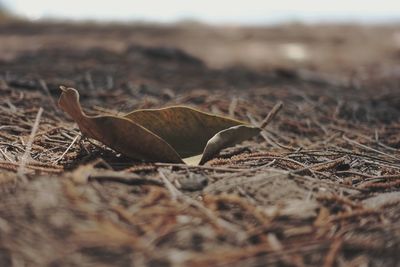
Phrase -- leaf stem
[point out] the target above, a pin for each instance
(271, 114)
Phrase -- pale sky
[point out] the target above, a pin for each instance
(212, 11)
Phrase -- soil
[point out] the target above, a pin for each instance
(319, 187)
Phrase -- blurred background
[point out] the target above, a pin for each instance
(210, 11)
(338, 37)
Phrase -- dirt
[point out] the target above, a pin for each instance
(319, 187)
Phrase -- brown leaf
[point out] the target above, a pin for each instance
(164, 135)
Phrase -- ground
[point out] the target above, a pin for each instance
(319, 186)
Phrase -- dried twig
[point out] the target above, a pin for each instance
(124, 178)
(176, 194)
(24, 158)
(332, 253)
(271, 115)
(369, 148)
(210, 168)
(68, 148)
(5, 155)
(45, 88)
(232, 106)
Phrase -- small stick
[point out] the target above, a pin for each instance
(123, 178)
(24, 159)
(47, 92)
(383, 177)
(171, 188)
(232, 107)
(178, 195)
(332, 253)
(380, 185)
(271, 114)
(181, 165)
(355, 173)
(5, 155)
(68, 148)
(368, 148)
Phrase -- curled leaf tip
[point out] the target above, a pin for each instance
(69, 102)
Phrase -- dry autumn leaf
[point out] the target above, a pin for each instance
(175, 134)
